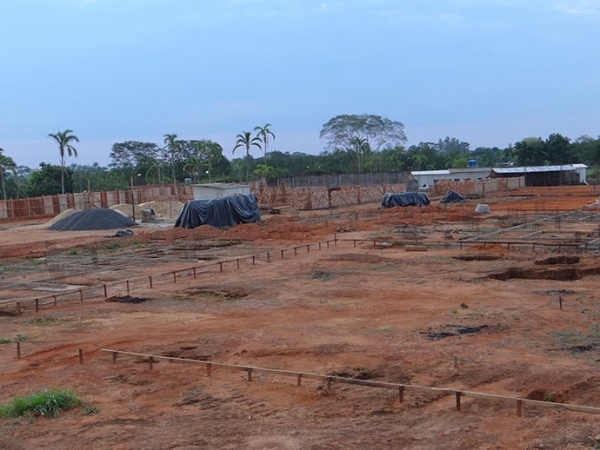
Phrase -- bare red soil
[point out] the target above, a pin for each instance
(368, 308)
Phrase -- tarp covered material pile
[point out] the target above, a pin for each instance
(222, 212)
(453, 197)
(404, 199)
(93, 219)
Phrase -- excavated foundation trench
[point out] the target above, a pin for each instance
(557, 274)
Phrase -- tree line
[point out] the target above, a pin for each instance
(353, 143)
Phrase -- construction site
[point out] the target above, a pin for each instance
(343, 327)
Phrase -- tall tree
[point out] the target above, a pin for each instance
(64, 140)
(531, 151)
(173, 148)
(379, 132)
(246, 140)
(263, 134)
(132, 154)
(7, 164)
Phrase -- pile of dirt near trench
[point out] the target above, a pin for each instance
(93, 219)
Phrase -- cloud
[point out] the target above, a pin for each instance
(581, 7)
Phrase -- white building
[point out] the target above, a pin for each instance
(426, 178)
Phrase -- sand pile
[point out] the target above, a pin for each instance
(94, 219)
(126, 210)
(165, 210)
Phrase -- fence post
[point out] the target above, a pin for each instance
(458, 394)
(18, 349)
(401, 393)
(114, 354)
(151, 362)
(208, 369)
(19, 308)
(249, 370)
(105, 293)
(299, 379)
(221, 266)
(37, 304)
(80, 356)
(150, 279)
(127, 286)
(81, 295)
(519, 407)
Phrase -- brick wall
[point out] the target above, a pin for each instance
(478, 187)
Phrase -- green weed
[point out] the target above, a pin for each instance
(454, 311)
(73, 252)
(5, 341)
(48, 403)
(385, 329)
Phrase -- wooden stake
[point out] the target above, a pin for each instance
(19, 308)
(281, 254)
(221, 266)
(194, 271)
(151, 362)
(105, 293)
(519, 407)
(37, 304)
(208, 369)
(174, 277)
(458, 394)
(299, 379)
(18, 349)
(114, 357)
(401, 393)
(455, 361)
(127, 286)
(560, 302)
(328, 383)
(253, 260)
(249, 374)
(238, 262)
(150, 279)
(80, 356)
(54, 296)
(81, 295)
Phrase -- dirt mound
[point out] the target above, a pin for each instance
(66, 213)
(94, 219)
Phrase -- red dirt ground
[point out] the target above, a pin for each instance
(358, 309)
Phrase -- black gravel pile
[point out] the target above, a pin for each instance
(93, 219)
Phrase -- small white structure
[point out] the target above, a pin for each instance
(581, 169)
(426, 178)
(218, 190)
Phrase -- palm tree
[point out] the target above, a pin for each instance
(263, 135)
(155, 171)
(194, 167)
(209, 151)
(64, 139)
(174, 148)
(6, 164)
(360, 150)
(246, 140)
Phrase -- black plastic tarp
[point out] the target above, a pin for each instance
(221, 212)
(404, 199)
(453, 197)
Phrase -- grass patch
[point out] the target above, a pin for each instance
(384, 329)
(47, 403)
(112, 245)
(73, 252)
(5, 341)
(43, 322)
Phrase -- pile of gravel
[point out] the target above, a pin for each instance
(93, 219)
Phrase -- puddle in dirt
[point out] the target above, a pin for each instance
(126, 299)
(458, 330)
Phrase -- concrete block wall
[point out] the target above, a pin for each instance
(478, 187)
(319, 197)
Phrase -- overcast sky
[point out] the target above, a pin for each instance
(489, 72)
